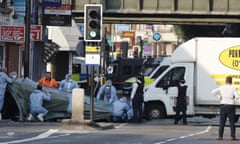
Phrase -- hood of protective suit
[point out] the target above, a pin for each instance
(36, 91)
(67, 76)
(13, 74)
(108, 82)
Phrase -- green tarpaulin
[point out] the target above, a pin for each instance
(21, 89)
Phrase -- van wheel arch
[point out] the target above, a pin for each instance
(154, 110)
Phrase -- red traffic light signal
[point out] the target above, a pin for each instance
(93, 22)
(135, 49)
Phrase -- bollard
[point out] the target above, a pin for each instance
(77, 121)
(78, 104)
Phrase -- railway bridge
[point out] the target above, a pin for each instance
(216, 12)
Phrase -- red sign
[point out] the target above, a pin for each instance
(36, 32)
(63, 10)
(12, 33)
(16, 33)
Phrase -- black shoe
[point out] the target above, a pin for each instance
(234, 139)
(220, 138)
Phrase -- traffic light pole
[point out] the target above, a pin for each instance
(141, 48)
(27, 38)
(92, 95)
(92, 35)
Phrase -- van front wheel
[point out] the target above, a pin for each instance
(155, 111)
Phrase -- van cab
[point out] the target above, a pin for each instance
(152, 71)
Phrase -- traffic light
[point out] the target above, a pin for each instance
(50, 51)
(93, 22)
(135, 52)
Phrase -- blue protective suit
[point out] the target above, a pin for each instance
(109, 92)
(36, 102)
(68, 85)
(4, 79)
(121, 109)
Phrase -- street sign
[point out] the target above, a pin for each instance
(92, 59)
(92, 56)
(156, 36)
(92, 49)
(58, 16)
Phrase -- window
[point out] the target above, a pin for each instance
(159, 71)
(172, 77)
(76, 68)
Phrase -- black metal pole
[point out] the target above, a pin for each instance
(141, 47)
(92, 95)
(27, 38)
(103, 51)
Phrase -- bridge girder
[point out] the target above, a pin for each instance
(165, 11)
(164, 19)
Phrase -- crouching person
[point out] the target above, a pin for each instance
(36, 104)
(120, 110)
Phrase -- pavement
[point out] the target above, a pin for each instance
(192, 121)
(66, 124)
(86, 124)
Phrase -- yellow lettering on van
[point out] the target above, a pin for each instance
(230, 57)
(220, 79)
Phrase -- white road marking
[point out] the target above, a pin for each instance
(41, 136)
(11, 133)
(120, 125)
(62, 135)
(184, 136)
(172, 139)
(160, 142)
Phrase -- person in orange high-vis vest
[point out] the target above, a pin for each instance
(48, 81)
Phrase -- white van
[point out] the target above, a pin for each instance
(204, 63)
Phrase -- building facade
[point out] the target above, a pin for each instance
(141, 36)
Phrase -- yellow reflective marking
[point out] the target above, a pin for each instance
(218, 76)
(92, 49)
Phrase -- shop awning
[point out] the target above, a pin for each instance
(66, 37)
